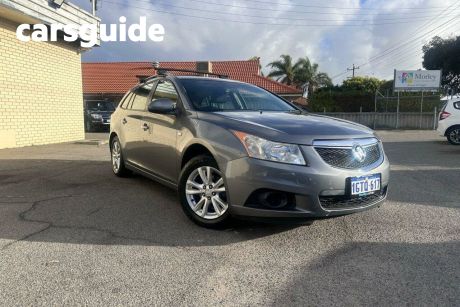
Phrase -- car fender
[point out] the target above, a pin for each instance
(220, 142)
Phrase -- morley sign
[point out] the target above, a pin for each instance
(417, 80)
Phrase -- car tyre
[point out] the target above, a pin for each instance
(453, 135)
(117, 159)
(202, 193)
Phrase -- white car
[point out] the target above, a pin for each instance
(449, 121)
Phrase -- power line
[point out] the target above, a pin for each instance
(408, 64)
(402, 56)
(388, 51)
(408, 43)
(404, 51)
(316, 6)
(277, 17)
(259, 23)
(272, 10)
(398, 45)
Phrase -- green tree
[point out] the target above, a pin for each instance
(306, 72)
(364, 84)
(282, 70)
(444, 54)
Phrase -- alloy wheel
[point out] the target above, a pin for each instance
(116, 156)
(454, 135)
(205, 193)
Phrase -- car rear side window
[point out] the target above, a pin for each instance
(141, 95)
(165, 89)
(125, 101)
(457, 105)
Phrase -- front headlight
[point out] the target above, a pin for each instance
(96, 116)
(260, 148)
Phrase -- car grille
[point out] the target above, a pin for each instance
(343, 157)
(347, 202)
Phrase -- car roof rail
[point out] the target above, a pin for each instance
(165, 72)
(162, 72)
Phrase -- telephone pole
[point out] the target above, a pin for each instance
(353, 69)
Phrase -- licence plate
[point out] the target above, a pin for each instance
(365, 184)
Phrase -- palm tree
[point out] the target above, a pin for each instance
(306, 74)
(303, 73)
(282, 70)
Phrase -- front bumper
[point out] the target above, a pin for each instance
(100, 122)
(309, 186)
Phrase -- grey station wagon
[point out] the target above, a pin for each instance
(234, 149)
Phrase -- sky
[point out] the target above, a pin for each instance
(376, 35)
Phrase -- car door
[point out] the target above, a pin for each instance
(133, 124)
(160, 139)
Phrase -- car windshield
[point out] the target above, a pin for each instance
(100, 106)
(218, 96)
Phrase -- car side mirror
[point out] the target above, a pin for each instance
(162, 106)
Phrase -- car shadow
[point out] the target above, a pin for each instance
(82, 202)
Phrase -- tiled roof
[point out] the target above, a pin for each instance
(119, 77)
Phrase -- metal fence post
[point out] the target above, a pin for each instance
(375, 109)
(435, 117)
(421, 111)
(397, 113)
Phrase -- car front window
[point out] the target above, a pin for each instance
(218, 96)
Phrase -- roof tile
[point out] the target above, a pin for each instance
(119, 77)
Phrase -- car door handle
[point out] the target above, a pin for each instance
(124, 121)
(145, 126)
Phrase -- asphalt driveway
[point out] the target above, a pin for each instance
(71, 233)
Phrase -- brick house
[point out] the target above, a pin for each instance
(40, 82)
(112, 80)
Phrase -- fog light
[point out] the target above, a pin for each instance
(273, 199)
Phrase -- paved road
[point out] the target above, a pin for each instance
(71, 233)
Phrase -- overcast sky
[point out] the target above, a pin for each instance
(378, 35)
